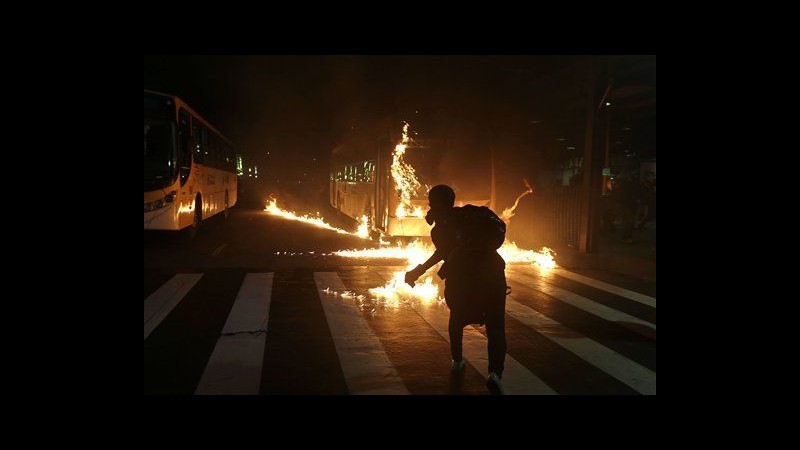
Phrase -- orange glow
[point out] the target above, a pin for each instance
(273, 209)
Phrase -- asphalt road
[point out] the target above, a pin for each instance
(225, 314)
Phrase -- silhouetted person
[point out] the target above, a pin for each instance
(467, 238)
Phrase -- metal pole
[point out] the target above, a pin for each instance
(605, 161)
(492, 195)
(585, 244)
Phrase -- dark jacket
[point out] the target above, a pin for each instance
(474, 278)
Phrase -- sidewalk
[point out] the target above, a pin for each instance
(637, 259)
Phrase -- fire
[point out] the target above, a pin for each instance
(414, 253)
(417, 252)
(397, 291)
(508, 213)
(402, 211)
(363, 228)
(272, 208)
(405, 179)
(543, 259)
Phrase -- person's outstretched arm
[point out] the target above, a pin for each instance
(413, 274)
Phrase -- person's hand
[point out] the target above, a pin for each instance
(413, 274)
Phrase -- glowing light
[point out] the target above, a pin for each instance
(273, 209)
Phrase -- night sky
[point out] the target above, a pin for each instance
(530, 109)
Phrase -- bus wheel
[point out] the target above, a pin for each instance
(227, 211)
(198, 217)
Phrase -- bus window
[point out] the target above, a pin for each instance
(199, 135)
(185, 156)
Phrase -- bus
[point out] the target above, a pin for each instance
(189, 166)
(362, 181)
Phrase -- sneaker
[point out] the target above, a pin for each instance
(494, 385)
(458, 366)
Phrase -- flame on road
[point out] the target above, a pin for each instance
(397, 291)
(414, 253)
(417, 252)
(543, 259)
(273, 209)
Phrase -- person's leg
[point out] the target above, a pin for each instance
(456, 329)
(496, 335)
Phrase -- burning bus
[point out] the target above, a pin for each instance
(387, 178)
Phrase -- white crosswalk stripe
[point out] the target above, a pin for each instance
(610, 362)
(622, 292)
(159, 304)
(516, 378)
(366, 367)
(235, 364)
(579, 301)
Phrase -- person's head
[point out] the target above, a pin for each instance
(441, 199)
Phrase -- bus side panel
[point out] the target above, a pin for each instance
(356, 199)
(214, 184)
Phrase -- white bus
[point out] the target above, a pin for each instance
(189, 167)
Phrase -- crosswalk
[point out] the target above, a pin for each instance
(294, 332)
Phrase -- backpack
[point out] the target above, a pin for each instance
(479, 227)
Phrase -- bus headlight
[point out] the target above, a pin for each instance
(152, 206)
(170, 197)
